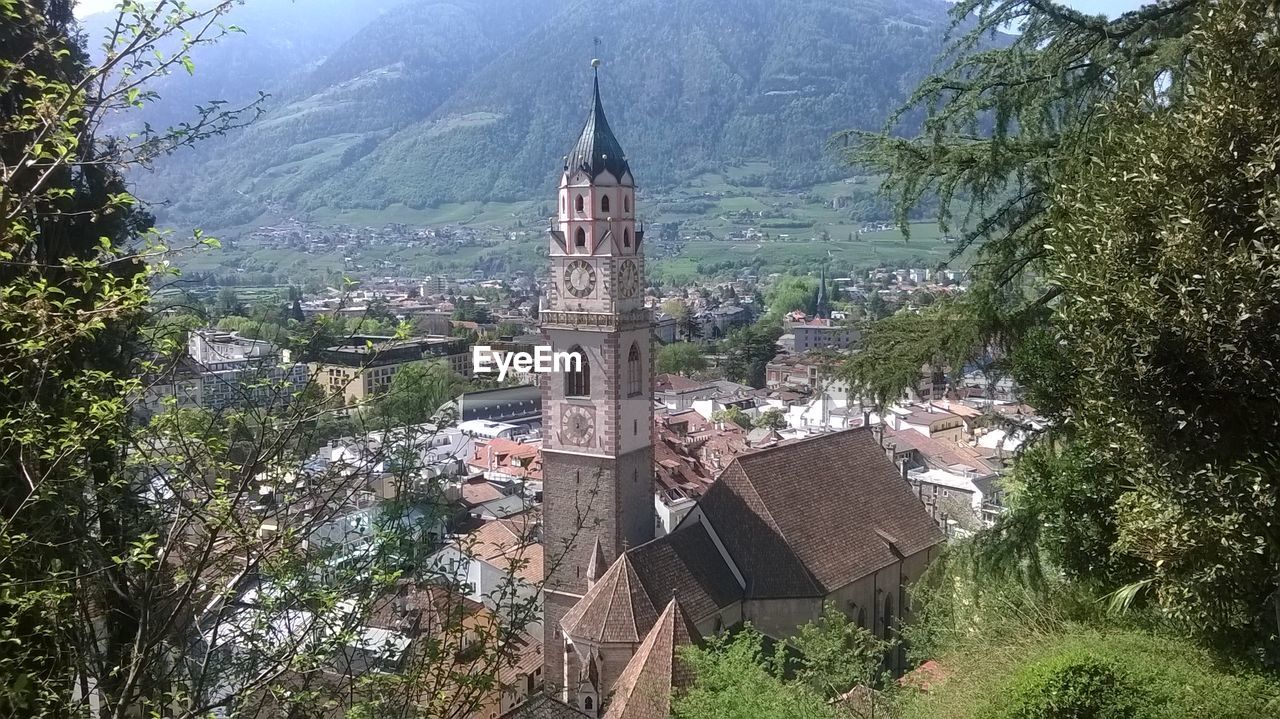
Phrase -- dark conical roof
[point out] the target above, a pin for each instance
(822, 309)
(597, 149)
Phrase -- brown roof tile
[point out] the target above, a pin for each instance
(807, 518)
(644, 688)
(687, 565)
(615, 609)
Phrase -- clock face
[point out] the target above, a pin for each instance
(577, 426)
(579, 278)
(629, 279)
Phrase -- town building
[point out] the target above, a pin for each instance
(365, 366)
(223, 370)
(822, 333)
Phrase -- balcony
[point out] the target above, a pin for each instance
(600, 321)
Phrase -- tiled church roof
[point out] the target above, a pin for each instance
(686, 564)
(807, 518)
(615, 609)
(645, 686)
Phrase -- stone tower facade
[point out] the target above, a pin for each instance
(597, 423)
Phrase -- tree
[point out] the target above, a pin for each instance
(682, 358)
(732, 414)
(229, 303)
(1125, 271)
(735, 679)
(198, 562)
(771, 418)
(417, 393)
(838, 655)
(508, 329)
(748, 350)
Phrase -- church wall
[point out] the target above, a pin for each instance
(779, 618)
(712, 624)
(554, 607)
(613, 659)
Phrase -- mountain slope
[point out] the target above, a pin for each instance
(477, 99)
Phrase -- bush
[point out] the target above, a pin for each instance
(1071, 685)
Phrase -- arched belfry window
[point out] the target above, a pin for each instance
(580, 238)
(579, 204)
(626, 238)
(633, 371)
(604, 203)
(577, 382)
(626, 203)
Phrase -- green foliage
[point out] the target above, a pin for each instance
(791, 293)
(682, 358)
(1127, 274)
(1010, 646)
(838, 655)
(897, 347)
(748, 350)
(733, 414)
(1075, 672)
(1071, 685)
(735, 679)
(771, 418)
(417, 393)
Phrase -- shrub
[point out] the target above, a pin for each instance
(1072, 685)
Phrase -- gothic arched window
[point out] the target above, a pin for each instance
(626, 203)
(579, 203)
(862, 617)
(604, 203)
(587, 704)
(626, 238)
(580, 238)
(577, 382)
(633, 371)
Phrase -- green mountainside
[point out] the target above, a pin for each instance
(477, 99)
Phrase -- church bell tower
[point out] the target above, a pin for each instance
(597, 453)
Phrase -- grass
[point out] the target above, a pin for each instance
(1178, 680)
(712, 208)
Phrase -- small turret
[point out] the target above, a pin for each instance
(597, 565)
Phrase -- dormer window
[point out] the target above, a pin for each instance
(579, 204)
(580, 238)
(604, 203)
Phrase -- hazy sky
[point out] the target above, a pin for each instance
(1109, 7)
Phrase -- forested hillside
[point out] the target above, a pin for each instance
(476, 99)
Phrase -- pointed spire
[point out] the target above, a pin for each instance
(596, 566)
(822, 310)
(597, 149)
(656, 671)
